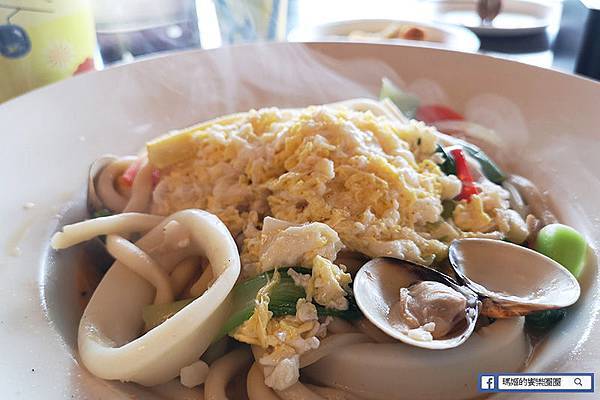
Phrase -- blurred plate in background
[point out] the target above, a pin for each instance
(372, 30)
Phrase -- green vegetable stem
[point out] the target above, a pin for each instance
(544, 320)
(283, 299)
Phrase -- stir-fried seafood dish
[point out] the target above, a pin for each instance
(336, 251)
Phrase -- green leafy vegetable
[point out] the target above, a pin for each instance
(449, 206)
(448, 167)
(156, 314)
(489, 168)
(283, 299)
(406, 102)
(544, 320)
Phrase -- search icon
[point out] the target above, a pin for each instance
(578, 381)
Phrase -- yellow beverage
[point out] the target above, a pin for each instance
(43, 41)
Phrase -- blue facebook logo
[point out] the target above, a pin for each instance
(487, 383)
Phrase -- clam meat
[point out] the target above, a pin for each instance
(422, 307)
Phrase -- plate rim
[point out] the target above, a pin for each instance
(310, 43)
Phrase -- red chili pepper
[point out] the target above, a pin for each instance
(433, 113)
(131, 172)
(464, 174)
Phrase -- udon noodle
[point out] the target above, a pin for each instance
(165, 251)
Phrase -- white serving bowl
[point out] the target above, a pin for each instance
(548, 121)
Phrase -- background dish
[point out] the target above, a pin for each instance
(438, 35)
(75, 122)
(518, 17)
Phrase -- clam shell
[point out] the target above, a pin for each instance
(512, 280)
(94, 203)
(377, 287)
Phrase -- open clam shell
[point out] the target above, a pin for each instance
(101, 191)
(377, 288)
(94, 203)
(512, 280)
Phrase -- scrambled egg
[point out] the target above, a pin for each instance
(313, 245)
(294, 187)
(327, 285)
(373, 180)
(470, 216)
(286, 244)
(255, 330)
(284, 339)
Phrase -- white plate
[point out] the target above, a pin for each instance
(437, 35)
(549, 122)
(518, 17)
